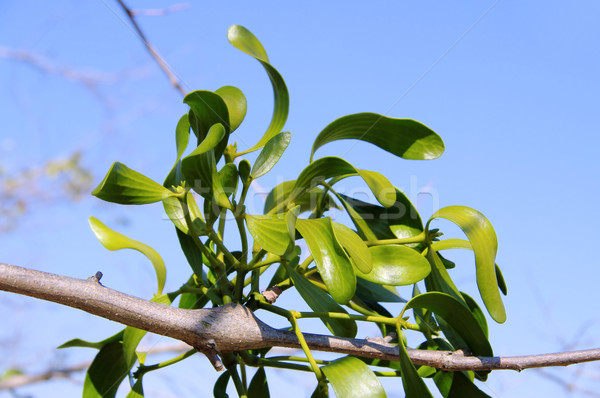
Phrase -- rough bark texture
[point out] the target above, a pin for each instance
(235, 328)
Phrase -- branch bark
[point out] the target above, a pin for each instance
(235, 328)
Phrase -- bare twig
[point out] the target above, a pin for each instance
(20, 380)
(235, 328)
(153, 52)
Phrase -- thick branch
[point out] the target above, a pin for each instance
(235, 328)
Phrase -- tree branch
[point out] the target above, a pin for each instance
(235, 328)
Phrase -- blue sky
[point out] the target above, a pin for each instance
(511, 88)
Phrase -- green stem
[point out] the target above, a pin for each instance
(342, 315)
(239, 286)
(143, 369)
(297, 359)
(256, 259)
(305, 264)
(313, 364)
(274, 309)
(239, 220)
(261, 264)
(244, 379)
(254, 279)
(219, 242)
(231, 365)
(222, 219)
(245, 191)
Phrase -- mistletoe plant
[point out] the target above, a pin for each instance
(348, 273)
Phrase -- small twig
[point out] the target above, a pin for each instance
(153, 52)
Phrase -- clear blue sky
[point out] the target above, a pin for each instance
(511, 87)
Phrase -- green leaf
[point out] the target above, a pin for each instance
(236, 105)
(220, 389)
(376, 292)
(107, 371)
(355, 247)
(242, 39)
(396, 265)
(192, 252)
(440, 279)
(258, 386)
(182, 137)
(463, 387)
(414, 386)
(319, 301)
(131, 339)
(350, 378)
(483, 239)
(477, 313)
(86, 344)
(373, 222)
(405, 138)
(270, 232)
(329, 167)
(128, 187)
(332, 261)
(113, 240)
(458, 317)
(270, 154)
(465, 244)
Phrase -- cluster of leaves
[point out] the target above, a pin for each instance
(347, 275)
